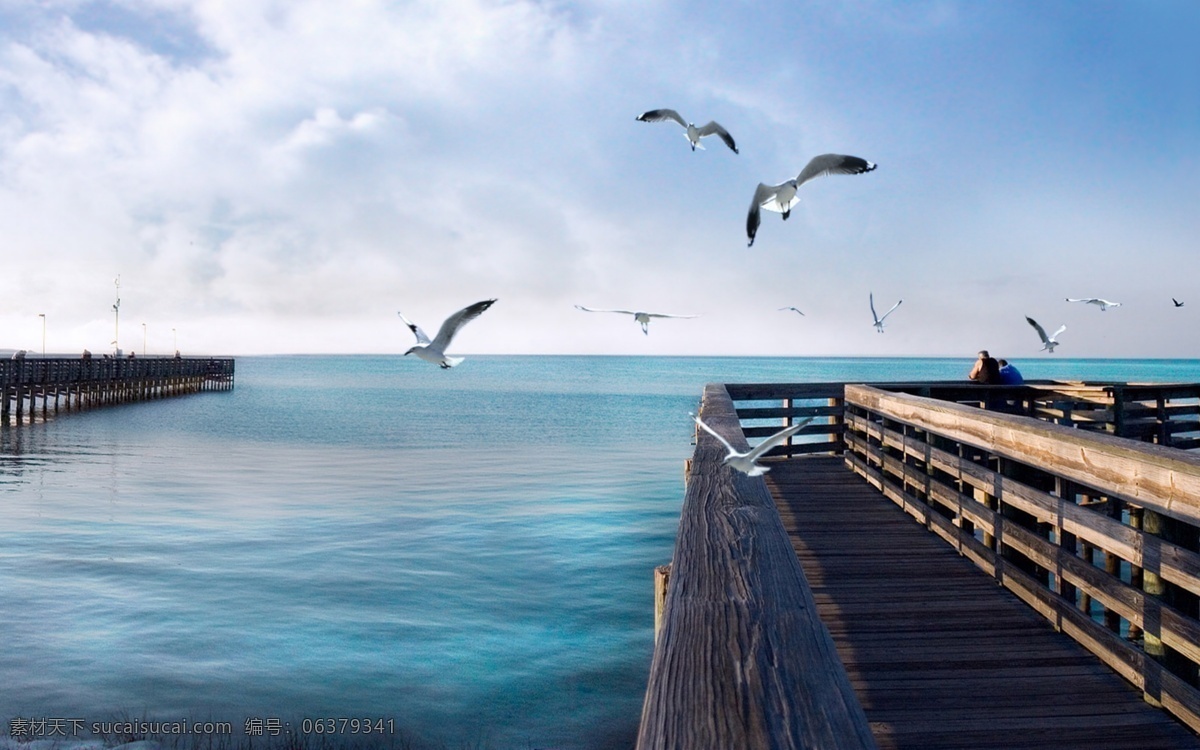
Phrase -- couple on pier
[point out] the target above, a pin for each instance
(988, 371)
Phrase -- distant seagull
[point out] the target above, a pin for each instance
(879, 320)
(435, 351)
(1048, 342)
(1177, 302)
(693, 134)
(641, 317)
(782, 197)
(1103, 304)
(791, 308)
(746, 462)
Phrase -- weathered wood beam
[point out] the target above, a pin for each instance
(742, 659)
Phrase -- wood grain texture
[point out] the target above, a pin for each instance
(1163, 479)
(942, 657)
(918, 476)
(742, 659)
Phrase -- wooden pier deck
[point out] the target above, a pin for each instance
(939, 655)
(33, 389)
(935, 565)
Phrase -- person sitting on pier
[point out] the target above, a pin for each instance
(19, 354)
(87, 354)
(986, 370)
(1009, 375)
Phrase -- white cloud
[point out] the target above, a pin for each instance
(320, 165)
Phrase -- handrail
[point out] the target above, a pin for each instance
(1069, 520)
(742, 660)
(83, 382)
(60, 370)
(1162, 413)
(821, 401)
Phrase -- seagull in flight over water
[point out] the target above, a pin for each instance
(782, 197)
(747, 462)
(1103, 304)
(435, 351)
(641, 317)
(792, 308)
(693, 134)
(878, 320)
(1048, 342)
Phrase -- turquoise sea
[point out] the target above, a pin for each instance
(465, 555)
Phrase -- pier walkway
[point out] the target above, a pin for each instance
(936, 566)
(938, 654)
(35, 388)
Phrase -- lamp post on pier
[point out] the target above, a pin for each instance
(43, 317)
(117, 318)
(143, 339)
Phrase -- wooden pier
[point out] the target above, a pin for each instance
(937, 565)
(33, 389)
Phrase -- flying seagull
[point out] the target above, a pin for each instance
(693, 134)
(782, 197)
(792, 308)
(879, 320)
(1177, 302)
(1103, 304)
(746, 462)
(1048, 342)
(435, 351)
(641, 317)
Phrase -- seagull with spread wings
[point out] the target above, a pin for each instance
(639, 316)
(878, 320)
(795, 309)
(1048, 342)
(693, 134)
(747, 462)
(435, 351)
(1103, 304)
(782, 197)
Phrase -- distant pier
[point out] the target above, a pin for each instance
(33, 389)
(936, 565)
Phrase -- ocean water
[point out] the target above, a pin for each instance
(466, 555)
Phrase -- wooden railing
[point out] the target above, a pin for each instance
(62, 371)
(769, 407)
(77, 383)
(1162, 413)
(1097, 533)
(742, 661)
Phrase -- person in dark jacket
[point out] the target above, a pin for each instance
(986, 370)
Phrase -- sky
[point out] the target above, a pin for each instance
(283, 176)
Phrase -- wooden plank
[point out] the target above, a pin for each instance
(742, 660)
(779, 412)
(779, 391)
(941, 663)
(1155, 477)
(1174, 563)
(809, 429)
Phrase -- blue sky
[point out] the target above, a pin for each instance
(272, 177)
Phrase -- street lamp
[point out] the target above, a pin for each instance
(43, 317)
(175, 339)
(117, 317)
(143, 339)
